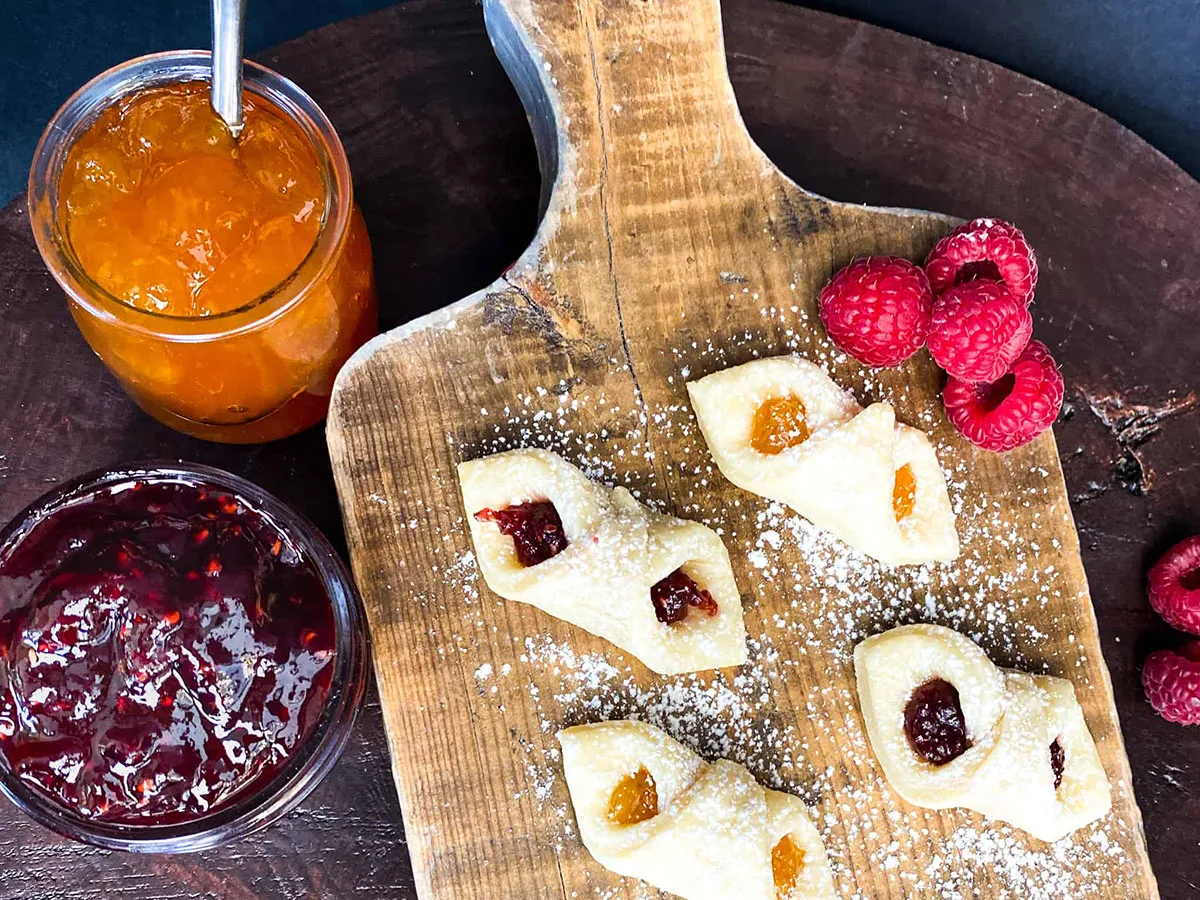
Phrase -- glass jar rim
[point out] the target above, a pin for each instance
(155, 70)
(320, 750)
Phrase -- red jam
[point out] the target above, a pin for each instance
(676, 595)
(934, 723)
(1058, 762)
(535, 528)
(164, 650)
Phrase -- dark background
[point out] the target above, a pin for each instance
(1136, 60)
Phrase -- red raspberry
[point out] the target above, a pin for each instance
(877, 310)
(1173, 586)
(979, 329)
(984, 249)
(1172, 683)
(1013, 410)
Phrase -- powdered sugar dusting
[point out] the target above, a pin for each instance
(790, 715)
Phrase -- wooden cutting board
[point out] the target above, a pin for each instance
(671, 247)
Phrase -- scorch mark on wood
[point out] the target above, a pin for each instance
(1132, 425)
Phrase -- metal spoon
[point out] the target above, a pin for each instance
(229, 27)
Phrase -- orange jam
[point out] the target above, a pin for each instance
(779, 423)
(224, 315)
(787, 864)
(168, 212)
(634, 799)
(904, 493)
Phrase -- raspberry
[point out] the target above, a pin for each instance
(1172, 683)
(978, 331)
(1173, 586)
(985, 249)
(1013, 410)
(877, 310)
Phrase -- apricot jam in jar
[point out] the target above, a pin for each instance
(181, 658)
(223, 281)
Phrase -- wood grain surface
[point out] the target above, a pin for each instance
(447, 176)
(671, 247)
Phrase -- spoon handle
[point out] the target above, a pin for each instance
(228, 21)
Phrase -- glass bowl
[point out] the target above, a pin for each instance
(254, 374)
(314, 757)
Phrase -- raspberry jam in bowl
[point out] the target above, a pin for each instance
(182, 658)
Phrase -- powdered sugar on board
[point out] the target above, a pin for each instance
(790, 715)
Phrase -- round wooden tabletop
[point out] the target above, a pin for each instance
(446, 174)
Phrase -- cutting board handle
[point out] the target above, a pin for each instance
(626, 96)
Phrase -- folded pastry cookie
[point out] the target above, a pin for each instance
(1017, 785)
(952, 729)
(782, 429)
(658, 587)
(650, 808)
(932, 702)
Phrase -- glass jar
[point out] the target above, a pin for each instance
(259, 372)
(311, 760)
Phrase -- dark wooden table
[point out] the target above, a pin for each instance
(446, 175)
